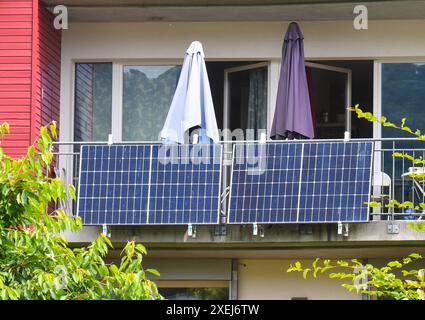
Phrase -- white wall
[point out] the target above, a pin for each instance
(239, 40)
(268, 279)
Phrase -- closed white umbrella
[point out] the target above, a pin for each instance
(192, 104)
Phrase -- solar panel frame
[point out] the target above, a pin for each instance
(237, 216)
(216, 155)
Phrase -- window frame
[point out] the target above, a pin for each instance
(192, 284)
(377, 98)
(377, 103)
(226, 90)
(118, 86)
(348, 87)
(117, 90)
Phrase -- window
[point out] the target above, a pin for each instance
(194, 290)
(93, 101)
(146, 97)
(333, 86)
(192, 278)
(403, 95)
(247, 99)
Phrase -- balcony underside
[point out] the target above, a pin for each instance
(363, 240)
(202, 3)
(234, 10)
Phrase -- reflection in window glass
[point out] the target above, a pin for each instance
(93, 101)
(403, 96)
(147, 95)
(195, 293)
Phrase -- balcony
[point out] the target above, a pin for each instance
(390, 180)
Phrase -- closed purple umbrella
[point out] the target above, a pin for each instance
(292, 118)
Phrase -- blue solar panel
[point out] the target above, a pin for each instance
(300, 182)
(185, 184)
(149, 184)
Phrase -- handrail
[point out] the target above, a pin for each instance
(242, 141)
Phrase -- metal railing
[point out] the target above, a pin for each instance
(390, 178)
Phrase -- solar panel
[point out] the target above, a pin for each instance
(300, 182)
(149, 184)
(185, 184)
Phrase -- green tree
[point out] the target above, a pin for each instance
(396, 280)
(35, 259)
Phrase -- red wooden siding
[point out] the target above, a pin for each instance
(49, 69)
(15, 72)
(29, 71)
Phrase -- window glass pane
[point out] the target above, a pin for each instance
(195, 293)
(403, 96)
(93, 101)
(147, 95)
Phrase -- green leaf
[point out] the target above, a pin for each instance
(114, 269)
(394, 264)
(53, 129)
(389, 124)
(406, 204)
(103, 271)
(315, 262)
(372, 204)
(407, 129)
(415, 256)
(342, 263)
(72, 192)
(141, 248)
(153, 271)
(356, 262)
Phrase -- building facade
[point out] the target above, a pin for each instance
(114, 71)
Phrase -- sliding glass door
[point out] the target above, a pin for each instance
(403, 96)
(330, 96)
(245, 100)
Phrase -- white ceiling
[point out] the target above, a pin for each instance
(234, 10)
